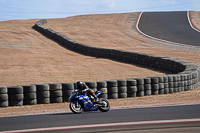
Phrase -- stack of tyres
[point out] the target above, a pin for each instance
(166, 85)
(161, 85)
(30, 97)
(3, 96)
(189, 81)
(140, 87)
(154, 85)
(171, 83)
(131, 87)
(122, 88)
(195, 79)
(102, 86)
(55, 93)
(179, 83)
(67, 89)
(175, 83)
(15, 95)
(147, 86)
(43, 94)
(184, 82)
(112, 89)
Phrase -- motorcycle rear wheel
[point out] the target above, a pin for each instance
(74, 109)
(106, 106)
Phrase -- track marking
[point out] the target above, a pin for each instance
(190, 22)
(154, 38)
(105, 125)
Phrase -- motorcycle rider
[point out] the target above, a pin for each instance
(84, 88)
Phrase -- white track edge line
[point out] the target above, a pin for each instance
(190, 21)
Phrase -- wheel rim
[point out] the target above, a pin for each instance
(105, 104)
(76, 109)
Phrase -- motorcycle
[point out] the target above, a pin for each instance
(82, 102)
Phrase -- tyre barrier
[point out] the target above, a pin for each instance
(186, 76)
(43, 94)
(112, 87)
(131, 87)
(147, 86)
(102, 86)
(30, 96)
(140, 87)
(67, 89)
(154, 85)
(166, 85)
(55, 92)
(15, 95)
(3, 96)
(122, 88)
(161, 85)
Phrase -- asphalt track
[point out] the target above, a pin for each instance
(113, 116)
(169, 26)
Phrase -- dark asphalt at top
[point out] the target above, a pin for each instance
(170, 26)
(97, 117)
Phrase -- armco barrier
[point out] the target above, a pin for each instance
(186, 76)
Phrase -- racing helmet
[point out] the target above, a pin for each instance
(79, 85)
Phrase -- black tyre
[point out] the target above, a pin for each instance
(15, 90)
(42, 87)
(43, 100)
(113, 96)
(30, 102)
(3, 97)
(91, 84)
(154, 80)
(131, 82)
(17, 97)
(4, 103)
(140, 81)
(67, 86)
(74, 109)
(3, 90)
(112, 90)
(31, 95)
(55, 86)
(105, 107)
(57, 93)
(29, 88)
(122, 95)
(101, 84)
(56, 100)
(147, 81)
(44, 94)
(105, 96)
(16, 103)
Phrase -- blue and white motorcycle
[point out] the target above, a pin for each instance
(82, 102)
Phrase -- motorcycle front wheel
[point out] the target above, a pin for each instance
(105, 105)
(75, 109)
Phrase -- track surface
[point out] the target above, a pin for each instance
(113, 116)
(169, 26)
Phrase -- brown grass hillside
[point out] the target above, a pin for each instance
(27, 57)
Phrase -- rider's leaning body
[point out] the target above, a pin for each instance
(82, 87)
